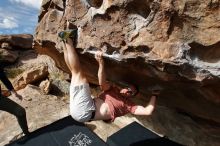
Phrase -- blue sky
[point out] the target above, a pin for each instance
(19, 16)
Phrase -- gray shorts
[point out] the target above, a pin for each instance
(81, 103)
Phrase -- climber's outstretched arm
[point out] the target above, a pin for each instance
(148, 109)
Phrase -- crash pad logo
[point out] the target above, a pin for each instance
(80, 140)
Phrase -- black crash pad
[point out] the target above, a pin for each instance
(135, 134)
(65, 132)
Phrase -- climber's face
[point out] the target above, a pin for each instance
(129, 91)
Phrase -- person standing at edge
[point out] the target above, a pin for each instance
(10, 106)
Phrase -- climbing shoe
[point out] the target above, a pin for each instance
(72, 33)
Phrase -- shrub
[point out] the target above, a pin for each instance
(14, 72)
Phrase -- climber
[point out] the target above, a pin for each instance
(10, 106)
(111, 103)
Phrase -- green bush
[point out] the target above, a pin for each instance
(14, 72)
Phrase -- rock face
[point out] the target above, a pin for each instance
(30, 76)
(45, 86)
(174, 44)
(10, 45)
(21, 41)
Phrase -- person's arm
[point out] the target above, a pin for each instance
(140, 110)
(101, 72)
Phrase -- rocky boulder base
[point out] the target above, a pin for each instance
(41, 110)
(26, 73)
